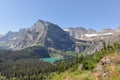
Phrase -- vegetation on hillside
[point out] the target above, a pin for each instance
(26, 65)
(89, 63)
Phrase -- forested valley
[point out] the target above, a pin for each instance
(26, 64)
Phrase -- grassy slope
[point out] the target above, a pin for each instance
(73, 73)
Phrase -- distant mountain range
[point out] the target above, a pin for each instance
(95, 38)
(83, 34)
(52, 36)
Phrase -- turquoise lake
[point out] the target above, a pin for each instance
(51, 60)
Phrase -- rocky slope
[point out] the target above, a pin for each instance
(1, 35)
(9, 36)
(76, 32)
(90, 34)
(41, 33)
(93, 38)
(79, 32)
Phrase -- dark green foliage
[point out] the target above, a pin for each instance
(104, 46)
(25, 67)
(61, 66)
(36, 52)
(88, 65)
(90, 62)
(81, 58)
(24, 62)
(65, 64)
(76, 58)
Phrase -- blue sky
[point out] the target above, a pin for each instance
(96, 14)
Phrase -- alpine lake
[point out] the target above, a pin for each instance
(51, 60)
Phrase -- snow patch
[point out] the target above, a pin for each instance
(66, 29)
(90, 35)
(14, 38)
(93, 35)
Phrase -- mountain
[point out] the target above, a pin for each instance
(1, 35)
(52, 36)
(9, 36)
(41, 33)
(45, 39)
(93, 38)
(81, 33)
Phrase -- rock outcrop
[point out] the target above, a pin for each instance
(77, 33)
(1, 35)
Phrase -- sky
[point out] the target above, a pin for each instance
(96, 14)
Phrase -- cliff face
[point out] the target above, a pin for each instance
(94, 40)
(77, 33)
(81, 33)
(1, 35)
(10, 35)
(41, 33)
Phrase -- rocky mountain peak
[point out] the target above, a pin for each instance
(107, 30)
(81, 28)
(41, 33)
(43, 25)
(39, 25)
(91, 31)
(42, 21)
